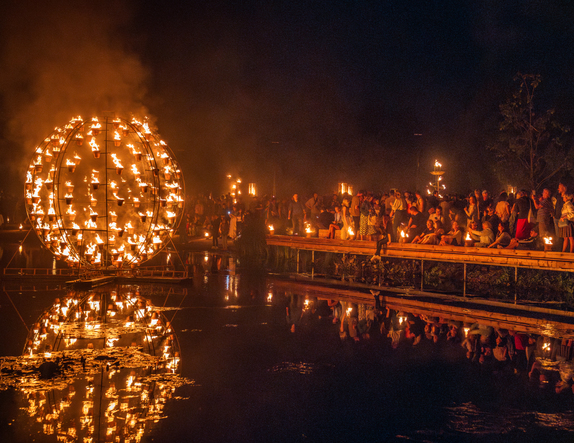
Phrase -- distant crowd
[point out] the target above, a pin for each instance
(525, 220)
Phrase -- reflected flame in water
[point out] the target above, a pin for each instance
(97, 366)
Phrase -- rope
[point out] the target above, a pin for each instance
(16, 309)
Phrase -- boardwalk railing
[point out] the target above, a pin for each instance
(159, 271)
(146, 272)
(546, 260)
(499, 273)
(40, 271)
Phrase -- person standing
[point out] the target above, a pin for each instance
(522, 208)
(545, 210)
(214, 228)
(398, 214)
(566, 222)
(313, 207)
(472, 214)
(224, 231)
(355, 211)
(296, 214)
(558, 208)
(503, 208)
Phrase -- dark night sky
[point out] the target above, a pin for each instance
(315, 92)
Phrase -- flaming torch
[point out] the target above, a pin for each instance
(468, 241)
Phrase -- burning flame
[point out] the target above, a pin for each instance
(548, 240)
(96, 124)
(116, 161)
(94, 145)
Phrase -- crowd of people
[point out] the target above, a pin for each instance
(525, 220)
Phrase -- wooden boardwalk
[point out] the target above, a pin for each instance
(554, 261)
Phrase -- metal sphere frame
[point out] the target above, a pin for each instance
(91, 210)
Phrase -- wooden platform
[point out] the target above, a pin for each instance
(556, 261)
(92, 279)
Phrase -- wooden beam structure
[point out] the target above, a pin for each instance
(544, 260)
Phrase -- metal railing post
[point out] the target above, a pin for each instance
(515, 284)
(313, 263)
(297, 261)
(422, 274)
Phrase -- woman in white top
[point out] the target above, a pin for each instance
(471, 211)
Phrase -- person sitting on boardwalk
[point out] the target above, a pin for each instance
(416, 224)
(486, 236)
(337, 222)
(429, 229)
(434, 237)
(532, 242)
(503, 238)
(491, 217)
(453, 237)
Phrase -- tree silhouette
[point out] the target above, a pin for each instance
(532, 147)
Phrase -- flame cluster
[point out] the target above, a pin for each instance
(119, 358)
(113, 201)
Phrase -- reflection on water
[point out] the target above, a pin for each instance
(527, 379)
(469, 419)
(97, 365)
(273, 364)
(299, 368)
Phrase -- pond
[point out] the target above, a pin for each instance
(231, 358)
